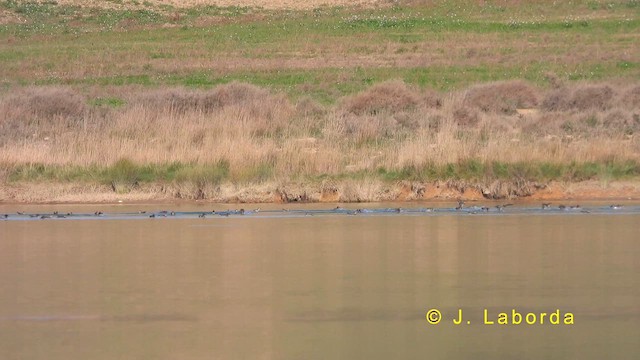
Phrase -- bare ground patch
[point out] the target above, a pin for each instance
(343, 191)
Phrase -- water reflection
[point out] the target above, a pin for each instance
(317, 287)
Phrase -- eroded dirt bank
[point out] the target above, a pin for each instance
(345, 191)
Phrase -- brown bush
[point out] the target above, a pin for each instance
(235, 93)
(599, 97)
(364, 129)
(44, 103)
(388, 96)
(40, 112)
(592, 97)
(465, 117)
(181, 100)
(177, 99)
(554, 80)
(631, 98)
(619, 121)
(557, 100)
(502, 97)
(309, 107)
(431, 99)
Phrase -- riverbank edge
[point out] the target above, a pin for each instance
(348, 191)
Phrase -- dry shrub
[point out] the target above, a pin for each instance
(363, 129)
(465, 117)
(431, 99)
(263, 112)
(40, 112)
(592, 97)
(309, 108)
(502, 97)
(550, 124)
(182, 100)
(407, 121)
(236, 93)
(583, 98)
(177, 100)
(631, 98)
(557, 100)
(554, 80)
(44, 103)
(618, 121)
(388, 96)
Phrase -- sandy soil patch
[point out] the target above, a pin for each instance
(343, 191)
(266, 4)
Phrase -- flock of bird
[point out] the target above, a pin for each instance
(460, 208)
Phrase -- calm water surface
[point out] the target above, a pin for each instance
(320, 287)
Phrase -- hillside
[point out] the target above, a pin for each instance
(393, 100)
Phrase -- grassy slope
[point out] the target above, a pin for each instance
(326, 54)
(332, 52)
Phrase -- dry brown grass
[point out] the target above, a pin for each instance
(391, 96)
(263, 136)
(631, 98)
(581, 98)
(502, 97)
(39, 112)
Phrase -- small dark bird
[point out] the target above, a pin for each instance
(173, 213)
(20, 213)
(5, 216)
(485, 208)
(460, 205)
(546, 205)
(45, 216)
(201, 216)
(55, 213)
(616, 207)
(97, 213)
(561, 207)
(152, 215)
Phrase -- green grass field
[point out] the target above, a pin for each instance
(328, 52)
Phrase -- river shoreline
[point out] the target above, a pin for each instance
(335, 192)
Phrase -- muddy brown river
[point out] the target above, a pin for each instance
(315, 284)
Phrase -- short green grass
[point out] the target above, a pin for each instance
(128, 173)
